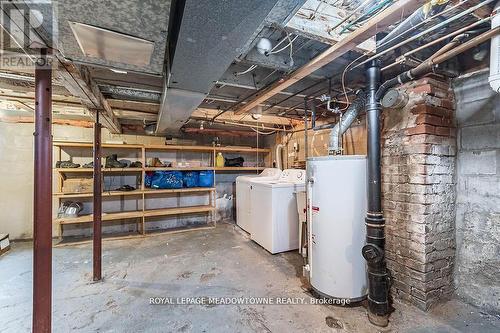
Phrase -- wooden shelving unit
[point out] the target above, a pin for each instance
(142, 193)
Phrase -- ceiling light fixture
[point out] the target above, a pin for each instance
(257, 114)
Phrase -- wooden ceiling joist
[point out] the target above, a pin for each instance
(208, 114)
(80, 84)
(394, 13)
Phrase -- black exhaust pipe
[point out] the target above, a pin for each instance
(373, 251)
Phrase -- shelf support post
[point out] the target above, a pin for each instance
(97, 196)
(42, 210)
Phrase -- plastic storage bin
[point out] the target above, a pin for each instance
(206, 178)
(190, 178)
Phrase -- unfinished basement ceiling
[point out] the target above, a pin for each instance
(216, 64)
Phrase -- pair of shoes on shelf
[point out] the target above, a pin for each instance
(155, 162)
(136, 164)
(112, 162)
(125, 188)
(66, 164)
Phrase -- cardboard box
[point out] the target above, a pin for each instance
(4, 243)
(78, 185)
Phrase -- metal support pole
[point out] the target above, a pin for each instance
(42, 210)
(97, 200)
(313, 114)
(306, 138)
(373, 251)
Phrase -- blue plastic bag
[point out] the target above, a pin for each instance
(206, 178)
(167, 180)
(190, 178)
(148, 178)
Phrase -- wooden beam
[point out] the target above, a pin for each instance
(55, 121)
(376, 24)
(135, 115)
(219, 132)
(80, 84)
(207, 114)
(480, 13)
(24, 102)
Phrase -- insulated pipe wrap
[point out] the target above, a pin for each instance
(398, 33)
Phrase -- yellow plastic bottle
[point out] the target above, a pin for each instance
(219, 160)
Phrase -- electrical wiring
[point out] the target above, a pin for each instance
(286, 46)
(279, 43)
(348, 102)
(262, 133)
(251, 68)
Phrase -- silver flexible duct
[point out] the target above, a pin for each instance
(347, 120)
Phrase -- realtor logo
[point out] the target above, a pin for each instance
(27, 27)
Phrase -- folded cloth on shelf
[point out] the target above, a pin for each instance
(234, 162)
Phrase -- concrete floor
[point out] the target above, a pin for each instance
(217, 262)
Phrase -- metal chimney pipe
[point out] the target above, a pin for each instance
(373, 251)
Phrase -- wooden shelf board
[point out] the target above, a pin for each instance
(178, 211)
(242, 150)
(91, 170)
(90, 194)
(178, 168)
(107, 237)
(136, 192)
(136, 214)
(207, 149)
(239, 168)
(179, 190)
(105, 217)
(90, 145)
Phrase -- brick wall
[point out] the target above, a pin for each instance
(418, 184)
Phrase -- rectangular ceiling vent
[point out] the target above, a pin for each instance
(112, 46)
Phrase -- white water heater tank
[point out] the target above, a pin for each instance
(495, 51)
(337, 199)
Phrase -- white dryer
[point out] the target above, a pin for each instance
(273, 206)
(243, 195)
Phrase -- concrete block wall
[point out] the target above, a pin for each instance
(418, 184)
(477, 267)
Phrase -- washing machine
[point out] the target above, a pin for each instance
(274, 215)
(243, 195)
